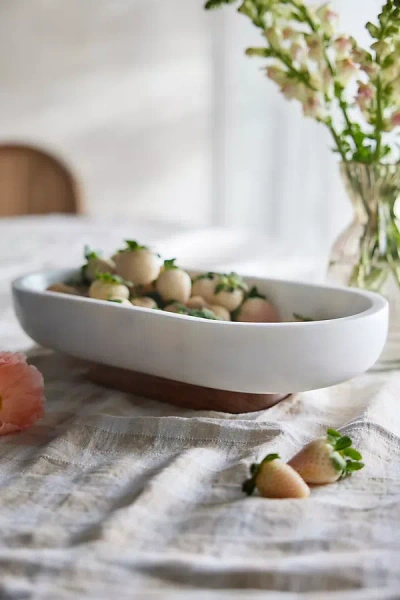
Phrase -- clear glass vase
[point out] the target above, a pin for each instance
(367, 253)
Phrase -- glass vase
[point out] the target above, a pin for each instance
(367, 253)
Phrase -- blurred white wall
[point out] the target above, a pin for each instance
(156, 107)
(122, 90)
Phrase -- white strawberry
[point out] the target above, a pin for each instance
(229, 292)
(137, 263)
(144, 302)
(275, 479)
(174, 283)
(327, 459)
(196, 302)
(107, 286)
(63, 288)
(220, 311)
(204, 285)
(95, 264)
(256, 309)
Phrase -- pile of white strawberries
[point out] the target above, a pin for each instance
(137, 277)
(322, 461)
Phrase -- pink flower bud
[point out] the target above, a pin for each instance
(289, 33)
(313, 107)
(371, 69)
(298, 52)
(289, 90)
(395, 120)
(382, 48)
(272, 36)
(395, 86)
(315, 47)
(293, 89)
(346, 69)
(364, 96)
(328, 82)
(343, 46)
(277, 74)
(329, 19)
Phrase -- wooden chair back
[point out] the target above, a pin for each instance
(33, 182)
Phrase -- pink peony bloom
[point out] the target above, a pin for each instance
(21, 393)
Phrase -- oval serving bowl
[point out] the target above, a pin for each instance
(345, 339)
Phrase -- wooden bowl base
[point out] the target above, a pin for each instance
(181, 394)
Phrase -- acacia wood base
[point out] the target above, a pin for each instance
(181, 394)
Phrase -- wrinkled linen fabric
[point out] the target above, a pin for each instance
(115, 496)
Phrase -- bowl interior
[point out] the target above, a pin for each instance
(317, 302)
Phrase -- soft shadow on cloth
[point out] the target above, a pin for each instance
(111, 491)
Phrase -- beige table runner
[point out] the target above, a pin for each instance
(111, 496)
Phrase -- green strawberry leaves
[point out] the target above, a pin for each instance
(249, 485)
(345, 458)
(169, 265)
(302, 319)
(90, 254)
(113, 279)
(342, 443)
(203, 313)
(230, 282)
(132, 245)
(270, 458)
(254, 293)
(209, 275)
(352, 453)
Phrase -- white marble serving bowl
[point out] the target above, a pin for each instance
(345, 340)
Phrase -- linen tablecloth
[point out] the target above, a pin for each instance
(114, 496)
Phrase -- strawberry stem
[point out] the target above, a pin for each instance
(249, 486)
(90, 254)
(110, 278)
(302, 319)
(169, 265)
(254, 293)
(334, 432)
(270, 457)
(132, 245)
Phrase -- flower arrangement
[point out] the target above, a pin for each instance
(354, 91)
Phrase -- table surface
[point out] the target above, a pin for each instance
(116, 496)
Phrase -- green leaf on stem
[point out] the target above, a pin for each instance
(354, 466)
(333, 433)
(342, 443)
(212, 4)
(352, 453)
(373, 30)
